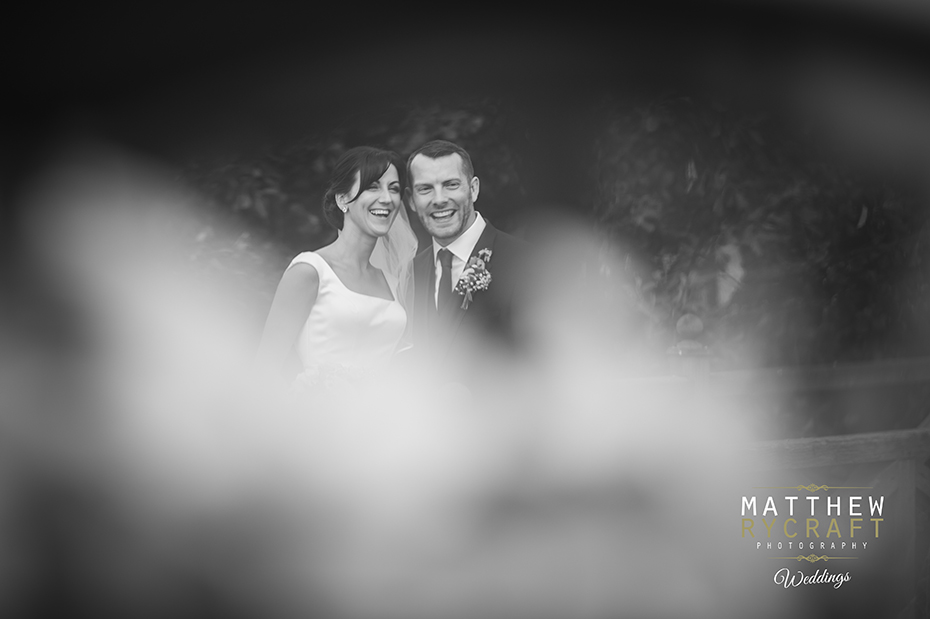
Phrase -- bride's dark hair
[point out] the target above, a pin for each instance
(370, 163)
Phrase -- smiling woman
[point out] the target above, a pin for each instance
(342, 305)
(360, 170)
(374, 205)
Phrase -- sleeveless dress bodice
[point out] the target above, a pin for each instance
(347, 328)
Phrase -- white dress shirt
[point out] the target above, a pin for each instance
(461, 249)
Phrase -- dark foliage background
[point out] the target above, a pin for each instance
(758, 168)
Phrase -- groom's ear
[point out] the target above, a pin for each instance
(407, 199)
(474, 186)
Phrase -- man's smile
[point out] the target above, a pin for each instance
(443, 214)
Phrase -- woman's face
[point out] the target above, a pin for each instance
(374, 210)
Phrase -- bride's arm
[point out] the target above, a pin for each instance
(293, 300)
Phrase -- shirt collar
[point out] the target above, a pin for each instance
(462, 247)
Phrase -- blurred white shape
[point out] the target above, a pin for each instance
(580, 488)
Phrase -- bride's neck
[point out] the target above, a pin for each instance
(354, 247)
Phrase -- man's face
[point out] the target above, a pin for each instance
(443, 196)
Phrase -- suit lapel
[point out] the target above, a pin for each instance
(485, 241)
(422, 311)
(429, 333)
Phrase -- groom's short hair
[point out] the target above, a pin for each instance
(441, 148)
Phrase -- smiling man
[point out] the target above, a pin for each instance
(464, 283)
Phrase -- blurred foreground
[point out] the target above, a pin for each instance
(147, 471)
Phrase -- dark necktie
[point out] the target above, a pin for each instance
(444, 300)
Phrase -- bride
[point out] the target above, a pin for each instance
(342, 306)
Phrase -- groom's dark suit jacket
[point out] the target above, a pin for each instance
(464, 333)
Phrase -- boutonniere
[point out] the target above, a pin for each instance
(475, 277)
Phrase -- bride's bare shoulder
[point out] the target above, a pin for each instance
(304, 272)
(299, 285)
(326, 252)
(303, 269)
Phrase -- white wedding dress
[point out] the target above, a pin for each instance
(347, 329)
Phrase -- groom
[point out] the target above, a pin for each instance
(456, 321)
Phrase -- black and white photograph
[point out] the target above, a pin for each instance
(466, 312)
